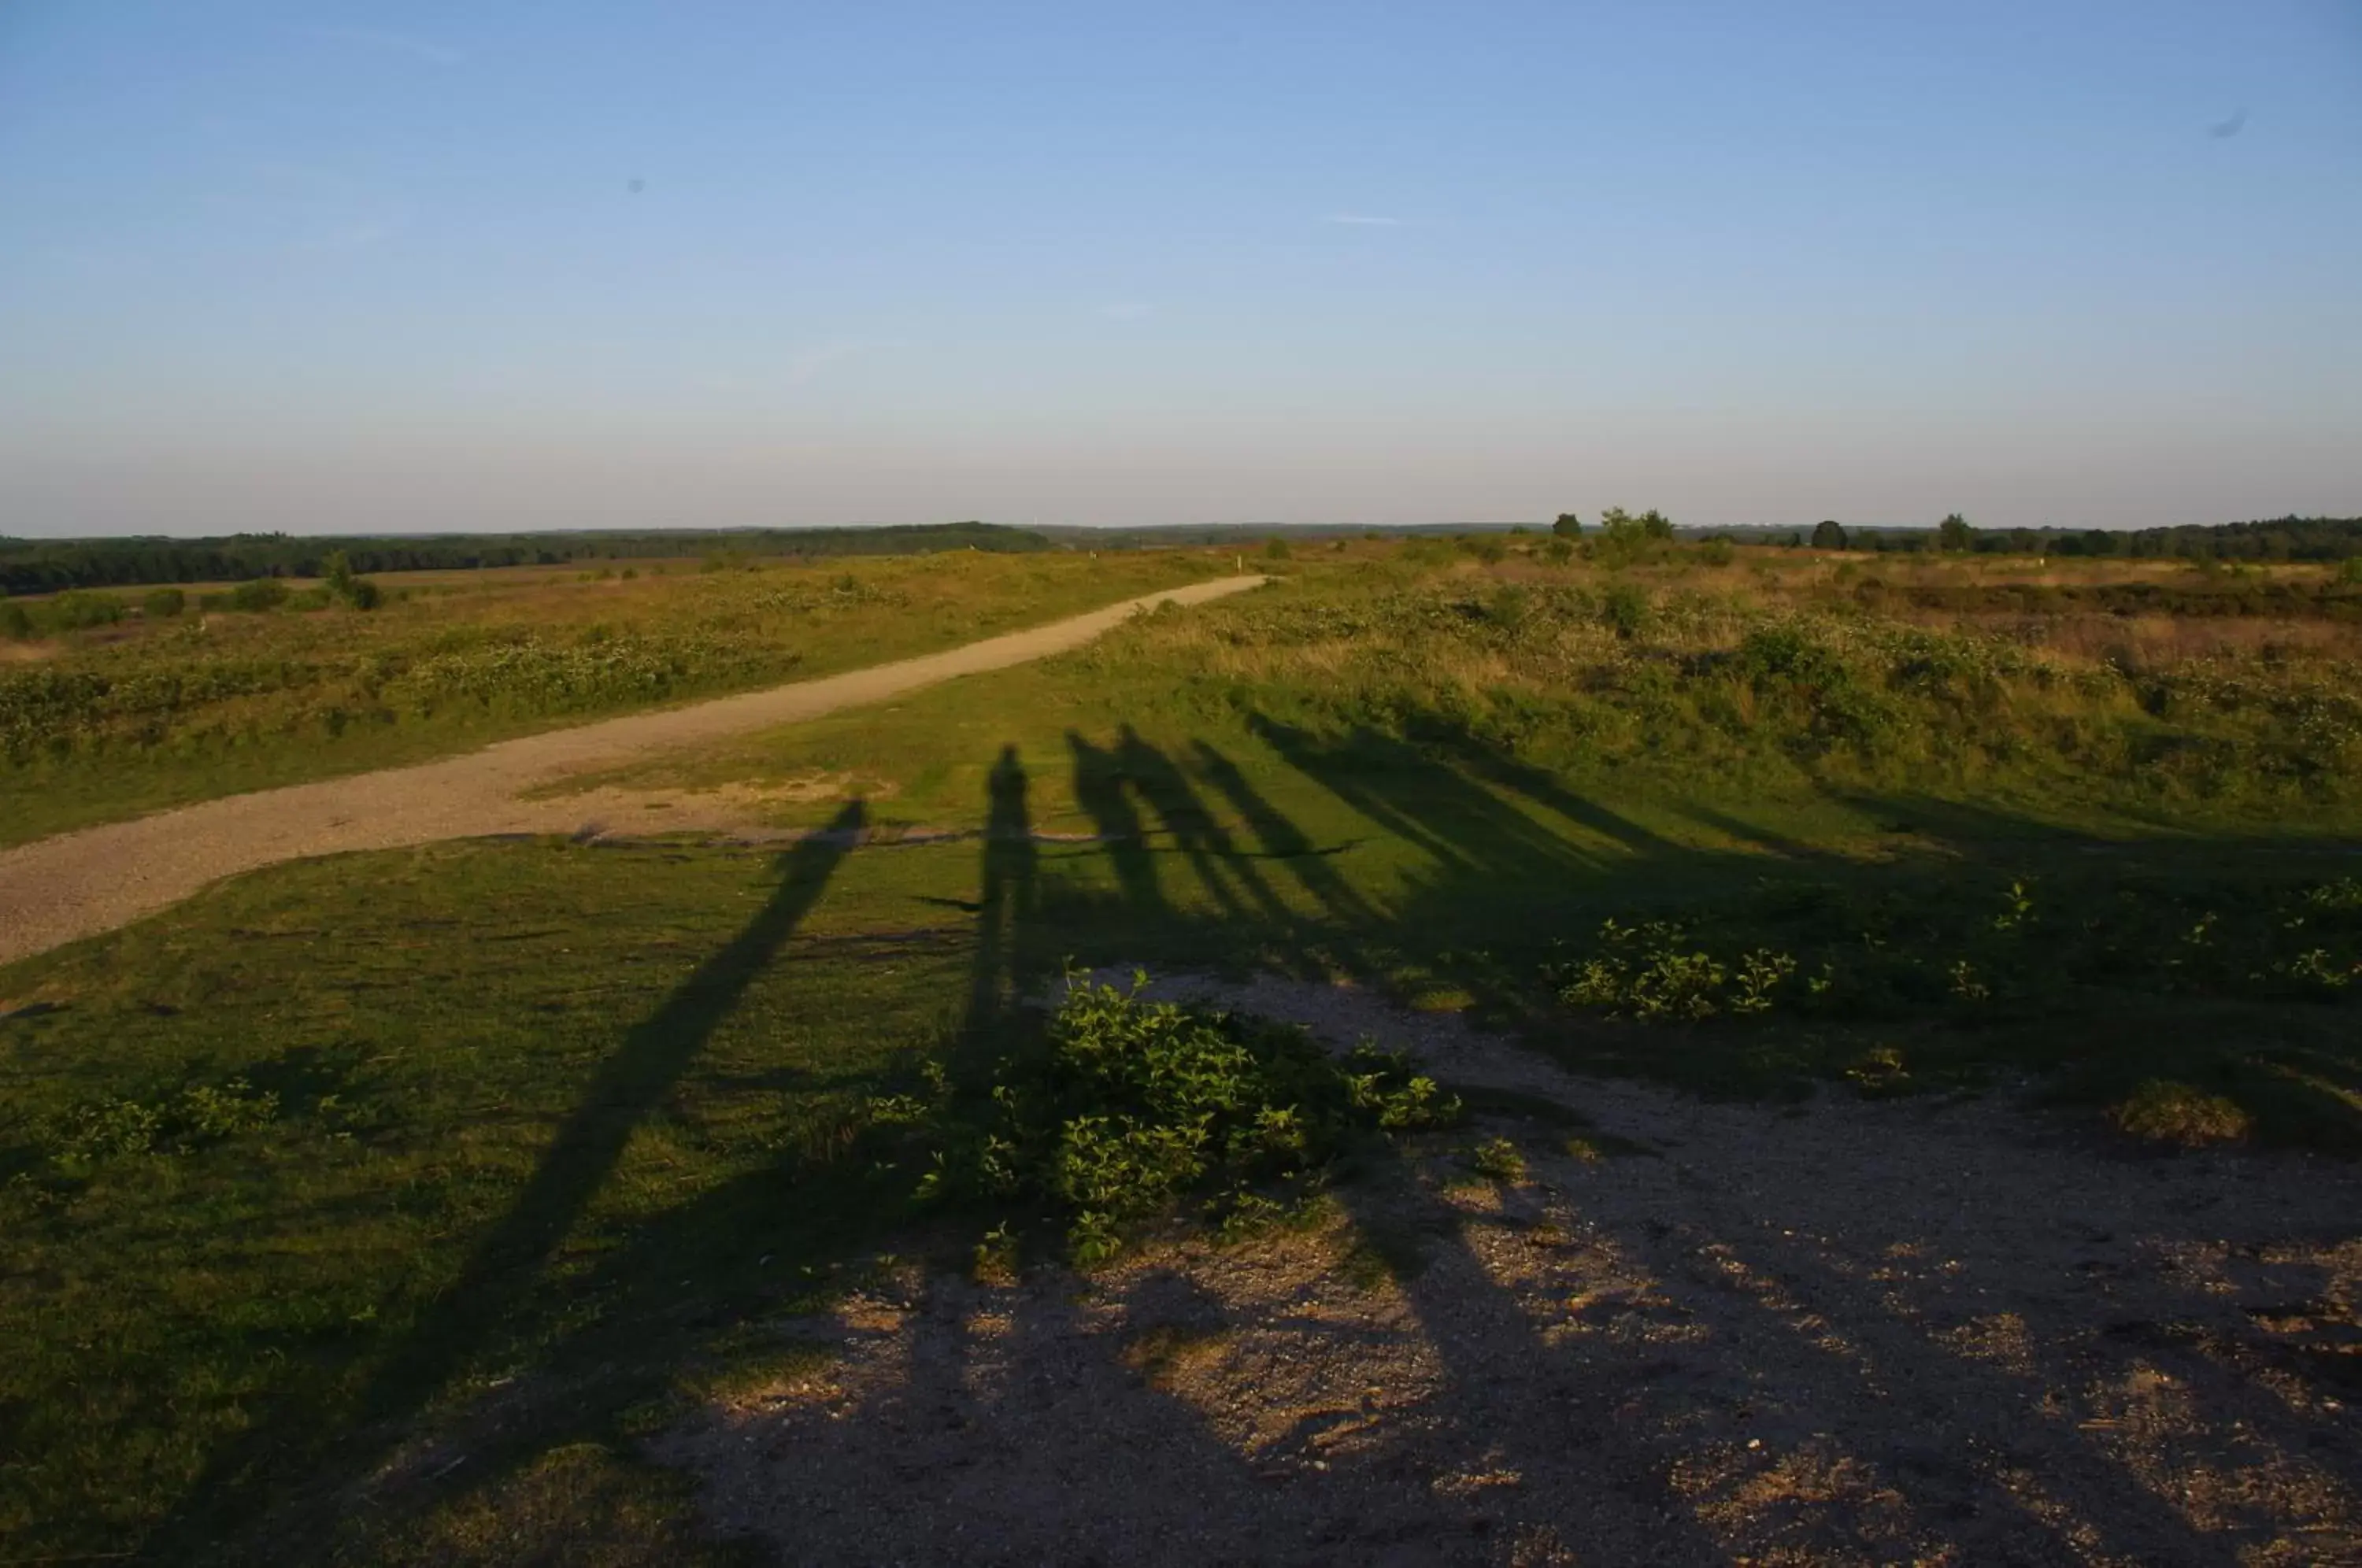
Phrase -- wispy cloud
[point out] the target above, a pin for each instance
(1361, 220)
(406, 45)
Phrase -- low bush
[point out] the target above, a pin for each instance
(1815, 949)
(1132, 1107)
(256, 595)
(163, 604)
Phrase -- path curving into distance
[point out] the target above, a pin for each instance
(78, 884)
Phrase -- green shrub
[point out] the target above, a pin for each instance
(1136, 1105)
(14, 622)
(1499, 1159)
(1625, 609)
(257, 594)
(2352, 570)
(163, 604)
(80, 609)
(1650, 972)
(1276, 549)
(336, 573)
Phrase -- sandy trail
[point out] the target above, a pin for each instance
(79, 884)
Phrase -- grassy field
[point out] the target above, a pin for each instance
(146, 705)
(375, 1209)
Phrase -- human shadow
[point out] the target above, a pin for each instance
(1008, 882)
(493, 1286)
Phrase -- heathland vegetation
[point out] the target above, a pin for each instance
(31, 566)
(121, 703)
(358, 1208)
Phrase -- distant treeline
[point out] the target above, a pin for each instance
(2280, 539)
(48, 567)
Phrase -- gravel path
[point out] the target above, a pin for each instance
(79, 884)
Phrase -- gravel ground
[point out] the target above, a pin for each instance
(1852, 1331)
(79, 884)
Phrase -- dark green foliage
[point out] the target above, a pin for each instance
(163, 604)
(80, 610)
(1954, 533)
(1819, 949)
(263, 593)
(1625, 539)
(336, 574)
(1131, 1106)
(1830, 535)
(31, 567)
(1276, 548)
(2197, 595)
(14, 621)
(1626, 608)
(1568, 526)
(2285, 539)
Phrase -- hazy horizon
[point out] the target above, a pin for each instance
(337, 268)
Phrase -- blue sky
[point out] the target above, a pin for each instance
(333, 267)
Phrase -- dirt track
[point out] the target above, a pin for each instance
(79, 884)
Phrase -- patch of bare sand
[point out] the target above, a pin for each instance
(1855, 1331)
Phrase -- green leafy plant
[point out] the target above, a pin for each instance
(1134, 1106)
(1499, 1159)
(256, 595)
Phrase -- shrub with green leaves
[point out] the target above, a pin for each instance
(80, 609)
(256, 595)
(1818, 949)
(1133, 1107)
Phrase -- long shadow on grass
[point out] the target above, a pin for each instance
(493, 1289)
(1497, 867)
